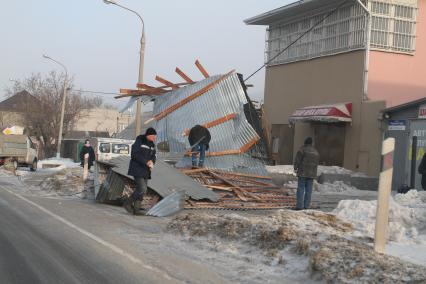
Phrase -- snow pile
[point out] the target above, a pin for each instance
(407, 216)
(321, 246)
(335, 187)
(281, 169)
(57, 164)
(326, 188)
(288, 170)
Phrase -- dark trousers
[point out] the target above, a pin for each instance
(304, 192)
(141, 188)
(201, 150)
(424, 182)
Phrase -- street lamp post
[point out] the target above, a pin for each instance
(138, 118)
(64, 96)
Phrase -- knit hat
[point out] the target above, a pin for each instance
(308, 141)
(150, 131)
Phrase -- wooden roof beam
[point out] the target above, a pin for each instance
(201, 68)
(215, 122)
(202, 91)
(165, 82)
(184, 76)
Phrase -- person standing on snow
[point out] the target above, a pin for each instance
(87, 149)
(422, 171)
(305, 166)
(143, 157)
(199, 138)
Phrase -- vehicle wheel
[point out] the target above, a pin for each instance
(33, 166)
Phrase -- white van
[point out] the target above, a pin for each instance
(108, 148)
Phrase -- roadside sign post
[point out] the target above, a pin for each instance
(385, 185)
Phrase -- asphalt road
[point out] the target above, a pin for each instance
(46, 240)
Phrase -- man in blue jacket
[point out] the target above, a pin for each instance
(142, 161)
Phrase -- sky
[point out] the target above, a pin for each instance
(99, 43)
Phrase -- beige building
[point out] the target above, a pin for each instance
(334, 80)
(102, 119)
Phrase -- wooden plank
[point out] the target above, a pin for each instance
(129, 91)
(201, 68)
(244, 175)
(145, 86)
(183, 102)
(236, 189)
(184, 76)
(225, 188)
(193, 171)
(167, 83)
(250, 144)
(215, 122)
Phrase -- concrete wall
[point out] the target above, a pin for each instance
(8, 118)
(101, 119)
(399, 78)
(369, 157)
(326, 80)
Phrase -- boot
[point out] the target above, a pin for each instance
(137, 207)
(128, 204)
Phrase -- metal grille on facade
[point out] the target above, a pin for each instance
(393, 25)
(393, 28)
(342, 31)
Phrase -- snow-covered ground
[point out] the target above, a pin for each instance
(288, 170)
(61, 163)
(407, 223)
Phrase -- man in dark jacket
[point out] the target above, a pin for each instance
(143, 157)
(199, 139)
(87, 149)
(305, 166)
(422, 171)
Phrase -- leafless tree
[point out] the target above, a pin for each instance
(42, 112)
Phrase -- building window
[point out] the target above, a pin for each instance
(342, 31)
(120, 149)
(105, 147)
(393, 26)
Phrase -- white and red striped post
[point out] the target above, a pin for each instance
(385, 185)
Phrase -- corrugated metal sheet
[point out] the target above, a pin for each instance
(170, 205)
(225, 98)
(165, 180)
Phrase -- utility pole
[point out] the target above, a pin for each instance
(64, 97)
(138, 115)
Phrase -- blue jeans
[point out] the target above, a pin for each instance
(198, 149)
(304, 189)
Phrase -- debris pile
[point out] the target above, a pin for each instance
(204, 188)
(324, 240)
(239, 191)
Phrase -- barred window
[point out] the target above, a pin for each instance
(340, 32)
(393, 25)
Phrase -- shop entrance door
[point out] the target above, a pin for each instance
(330, 143)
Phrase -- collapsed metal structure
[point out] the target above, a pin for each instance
(234, 177)
(218, 103)
(201, 188)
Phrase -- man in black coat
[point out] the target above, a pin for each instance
(87, 149)
(143, 157)
(199, 138)
(422, 171)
